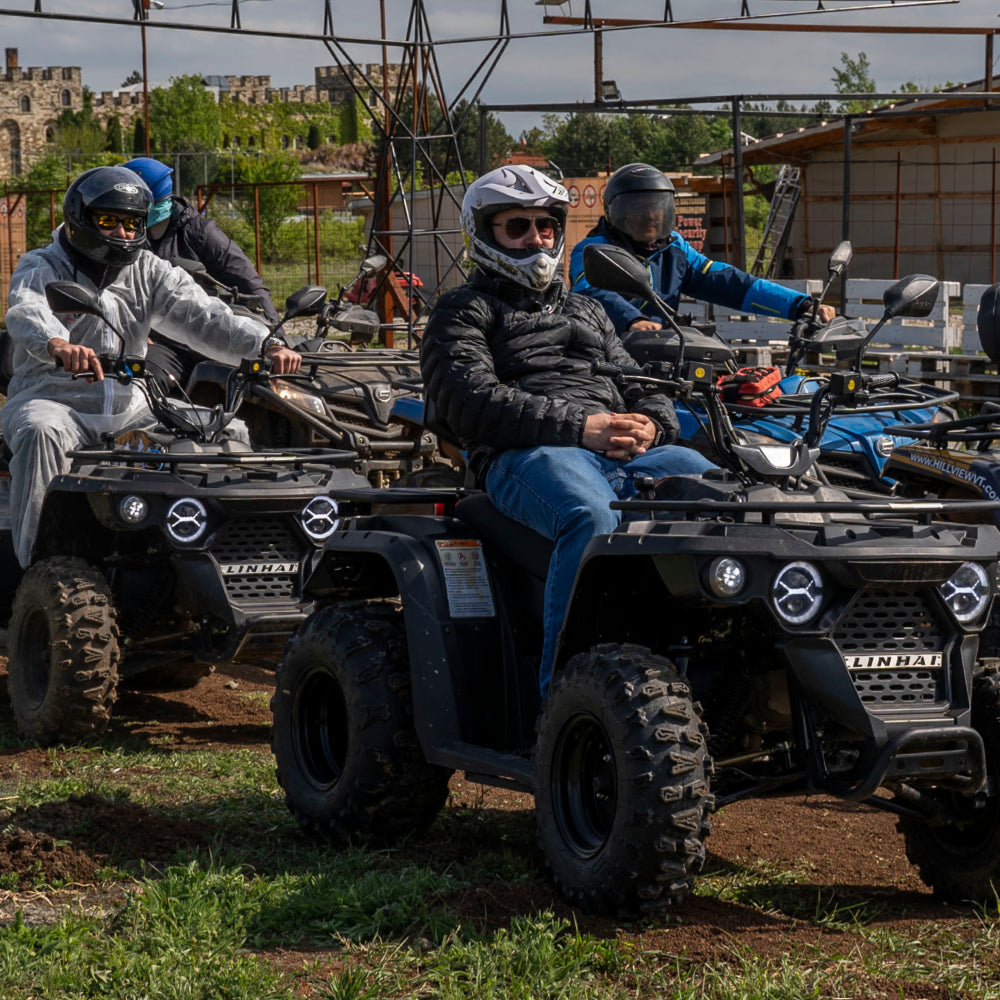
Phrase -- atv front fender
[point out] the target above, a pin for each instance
(449, 653)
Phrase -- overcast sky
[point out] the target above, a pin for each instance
(645, 63)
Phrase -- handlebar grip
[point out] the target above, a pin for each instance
(612, 370)
(890, 380)
(604, 368)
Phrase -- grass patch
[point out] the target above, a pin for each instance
(206, 889)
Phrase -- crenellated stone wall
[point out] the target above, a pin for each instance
(32, 99)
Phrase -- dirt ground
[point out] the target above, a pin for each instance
(850, 856)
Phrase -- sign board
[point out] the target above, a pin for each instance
(692, 220)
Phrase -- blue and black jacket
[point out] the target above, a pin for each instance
(676, 268)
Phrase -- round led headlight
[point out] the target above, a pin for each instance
(319, 518)
(186, 520)
(966, 591)
(797, 592)
(726, 576)
(133, 509)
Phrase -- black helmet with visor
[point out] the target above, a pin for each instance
(113, 192)
(639, 203)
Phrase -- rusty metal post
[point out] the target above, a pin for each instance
(598, 64)
(993, 220)
(10, 235)
(899, 198)
(384, 191)
(142, 13)
(256, 226)
(739, 257)
(319, 280)
(725, 215)
(845, 212)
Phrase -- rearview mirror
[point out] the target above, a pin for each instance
(840, 258)
(913, 295)
(616, 270)
(373, 265)
(306, 301)
(69, 297)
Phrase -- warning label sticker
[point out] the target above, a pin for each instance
(465, 578)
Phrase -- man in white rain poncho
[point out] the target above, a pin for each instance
(47, 412)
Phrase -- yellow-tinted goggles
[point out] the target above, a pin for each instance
(109, 222)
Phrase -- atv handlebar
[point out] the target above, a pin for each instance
(887, 380)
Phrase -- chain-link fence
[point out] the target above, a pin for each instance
(284, 229)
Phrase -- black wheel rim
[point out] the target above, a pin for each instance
(320, 728)
(584, 785)
(35, 661)
(973, 826)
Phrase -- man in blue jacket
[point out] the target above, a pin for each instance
(639, 214)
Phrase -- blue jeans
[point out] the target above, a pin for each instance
(563, 493)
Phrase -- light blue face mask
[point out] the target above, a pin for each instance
(161, 210)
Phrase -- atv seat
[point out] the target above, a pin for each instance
(511, 539)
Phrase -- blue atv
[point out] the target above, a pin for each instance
(857, 441)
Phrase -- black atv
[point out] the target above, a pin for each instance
(957, 458)
(161, 554)
(347, 396)
(746, 633)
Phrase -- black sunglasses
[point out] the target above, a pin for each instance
(546, 226)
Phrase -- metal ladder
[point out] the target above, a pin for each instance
(787, 191)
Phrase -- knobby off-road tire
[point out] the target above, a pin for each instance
(960, 860)
(622, 783)
(342, 734)
(62, 667)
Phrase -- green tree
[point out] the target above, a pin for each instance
(531, 141)
(675, 140)
(134, 77)
(277, 201)
(854, 77)
(315, 137)
(78, 133)
(184, 117)
(49, 177)
(759, 120)
(499, 142)
(584, 144)
(139, 138)
(114, 142)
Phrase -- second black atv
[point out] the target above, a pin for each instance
(745, 634)
(161, 554)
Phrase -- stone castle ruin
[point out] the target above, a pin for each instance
(32, 99)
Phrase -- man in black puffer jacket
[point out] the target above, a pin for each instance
(177, 230)
(506, 361)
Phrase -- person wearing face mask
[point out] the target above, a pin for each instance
(175, 229)
(639, 214)
(99, 245)
(506, 362)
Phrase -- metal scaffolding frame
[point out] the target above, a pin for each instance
(417, 123)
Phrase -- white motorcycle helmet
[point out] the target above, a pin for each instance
(515, 186)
